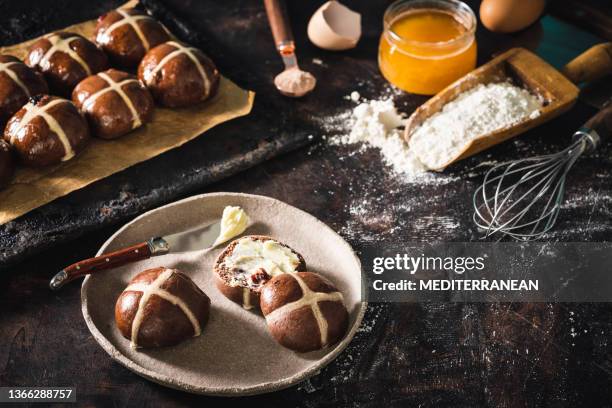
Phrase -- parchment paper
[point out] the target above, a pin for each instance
(170, 128)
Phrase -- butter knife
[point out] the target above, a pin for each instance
(201, 237)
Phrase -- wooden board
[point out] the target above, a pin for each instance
(227, 150)
(169, 128)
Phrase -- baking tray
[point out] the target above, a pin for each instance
(273, 127)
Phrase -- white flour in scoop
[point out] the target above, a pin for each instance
(443, 136)
(476, 112)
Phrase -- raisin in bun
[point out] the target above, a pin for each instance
(18, 83)
(47, 130)
(7, 164)
(127, 34)
(248, 263)
(304, 311)
(161, 307)
(114, 103)
(178, 75)
(65, 59)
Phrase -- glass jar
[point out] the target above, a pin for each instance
(427, 44)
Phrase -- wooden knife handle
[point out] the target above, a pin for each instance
(279, 22)
(594, 63)
(138, 252)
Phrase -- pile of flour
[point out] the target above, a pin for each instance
(444, 135)
(378, 124)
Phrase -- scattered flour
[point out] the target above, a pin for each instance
(377, 124)
(476, 112)
(353, 96)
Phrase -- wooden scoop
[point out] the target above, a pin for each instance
(557, 89)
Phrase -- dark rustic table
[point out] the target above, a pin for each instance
(435, 354)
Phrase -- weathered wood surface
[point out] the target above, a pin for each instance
(461, 355)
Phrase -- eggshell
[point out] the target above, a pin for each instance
(334, 27)
(508, 16)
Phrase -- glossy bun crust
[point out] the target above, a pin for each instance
(7, 164)
(127, 35)
(46, 131)
(18, 83)
(113, 112)
(65, 59)
(149, 303)
(304, 311)
(178, 75)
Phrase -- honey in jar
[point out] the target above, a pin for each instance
(427, 44)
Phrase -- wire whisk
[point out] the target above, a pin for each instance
(521, 199)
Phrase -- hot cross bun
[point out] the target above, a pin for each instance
(65, 59)
(127, 35)
(304, 311)
(248, 263)
(18, 83)
(161, 307)
(47, 130)
(114, 103)
(178, 75)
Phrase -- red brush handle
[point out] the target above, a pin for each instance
(279, 23)
(138, 252)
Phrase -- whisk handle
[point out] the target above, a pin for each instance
(599, 128)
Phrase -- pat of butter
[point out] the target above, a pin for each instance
(251, 255)
(233, 223)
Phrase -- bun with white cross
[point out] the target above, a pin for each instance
(65, 59)
(7, 164)
(304, 311)
(126, 35)
(18, 83)
(47, 130)
(178, 75)
(114, 103)
(161, 307)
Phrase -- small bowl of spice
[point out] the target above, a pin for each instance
(427, 44)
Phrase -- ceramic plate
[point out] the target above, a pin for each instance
(235, 355)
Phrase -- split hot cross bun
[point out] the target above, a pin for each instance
(248, 263)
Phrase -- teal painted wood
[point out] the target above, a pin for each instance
(561, 42)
